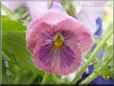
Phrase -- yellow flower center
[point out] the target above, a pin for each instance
(58, 40)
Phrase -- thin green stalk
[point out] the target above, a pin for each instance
(93, 56)
(58, 81)
(24, 15)
(5, 56)
(17, 79)
(98, 72)
(32, 79)
(50, 4)
(89, 78)
(45, 78)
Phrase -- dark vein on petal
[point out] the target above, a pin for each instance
(44, 51)
(47, 61)
(68, 35)
(48, 35)
(62, 62)
(67, 57)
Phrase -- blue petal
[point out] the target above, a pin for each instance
(97, 81)
(100, 80)
(91, 68)
(99, 23)
(99, 20)
(101, 53)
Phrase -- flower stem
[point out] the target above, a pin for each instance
(58, 80)
(32, 79)
(5, 56)
(16, 80)
(45, 78)
(93, 56)
(90, 78)
(50, 4)
(96, 73)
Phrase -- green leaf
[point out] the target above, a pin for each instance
(0, 66)
(106, 68)
(14, 46)
(9, 25)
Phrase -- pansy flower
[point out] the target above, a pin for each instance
(58, 42)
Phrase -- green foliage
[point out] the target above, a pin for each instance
(14, 51)
(106, 68)
(69, 7)
(103, 66)
(0, 68)
(9, 25)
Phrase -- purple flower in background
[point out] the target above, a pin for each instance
(99, 23)
(13, 4)
(101, 81)
(89, 12)
(36, 8)
(89, 71)
(58, 6)
(100, 54)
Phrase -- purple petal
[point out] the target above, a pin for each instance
(67, 56)
(100, 29)
(45, 54)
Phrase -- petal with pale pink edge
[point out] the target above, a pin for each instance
(90, 11)
(84, 36)
(35, 35)
(51, 17)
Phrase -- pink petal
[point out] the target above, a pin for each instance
(54, 21)
(35, 41)
(55, 65)
(51, 17)
(83, 33)
(90, 11)
(55, 17)
(33, 37)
